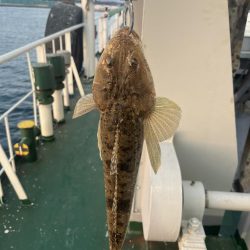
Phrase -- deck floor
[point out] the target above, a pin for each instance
(65, 186)
(66, 189)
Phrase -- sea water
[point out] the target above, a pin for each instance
(18, 27)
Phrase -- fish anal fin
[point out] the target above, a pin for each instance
(160, 126)
(84, 105)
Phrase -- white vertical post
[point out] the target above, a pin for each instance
(66, 92)
(67, 59)
(100, 34)
(60, 42)
(117, 19)
(57, 106)
(12, 176)
(32, 80)
(84, 4)
(53, 46)
(89, 37)
(1, 192)
(7, 128)
(121, 19)
(69, 75)
(105, 31)
(78, 80)
(112, 26)
(46, 121)
(41, 54)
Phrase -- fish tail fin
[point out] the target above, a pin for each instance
(84, 105)
(160, 126)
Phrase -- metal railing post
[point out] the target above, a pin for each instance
(53, 46)
(117, 19)
(69, 75)
(77, 78)
(61, 42)
(85, 38)
(1, 193)
(105, 31)
(66, 101)
(67, 60)
(121, 19)
(32, 80)
(12, 176)
(7, 128)
(113, 26)
(100, 35)
(89, 38)
(91, 21)
(41, 54)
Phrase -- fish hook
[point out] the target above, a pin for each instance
(130, 9)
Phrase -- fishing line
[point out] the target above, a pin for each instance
(129, 7)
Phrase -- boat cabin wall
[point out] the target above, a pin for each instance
(187, 45)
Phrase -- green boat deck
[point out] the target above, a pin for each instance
(66, 189)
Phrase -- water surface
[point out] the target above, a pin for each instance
(18, 26)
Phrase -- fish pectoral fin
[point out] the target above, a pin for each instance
(84, 105)
(160, 126)
(99, 140)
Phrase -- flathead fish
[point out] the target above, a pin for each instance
(123, 92)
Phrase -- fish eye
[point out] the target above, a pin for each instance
(109, 61)
(133, 62)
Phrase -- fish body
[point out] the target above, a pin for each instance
(123, 92)
(121, 153)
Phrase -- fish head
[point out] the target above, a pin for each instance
(123, 77)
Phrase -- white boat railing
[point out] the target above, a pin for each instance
(39, 46)
(112, 22)
(4, 117)
(41, 56)
(51, 38)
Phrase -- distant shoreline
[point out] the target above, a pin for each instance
(44, 6)
(48, 5)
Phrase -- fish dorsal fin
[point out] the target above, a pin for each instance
(84, 105)
(160, 126)
(99, 140)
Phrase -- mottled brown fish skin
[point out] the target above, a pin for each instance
(124, 93)
(129, 154)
